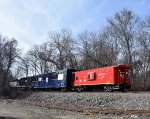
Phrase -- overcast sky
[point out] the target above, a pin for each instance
(29, 21)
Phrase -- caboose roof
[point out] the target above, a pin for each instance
(115, 66)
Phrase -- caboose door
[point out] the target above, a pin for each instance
(121, 76)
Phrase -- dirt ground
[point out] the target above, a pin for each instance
(13, 109)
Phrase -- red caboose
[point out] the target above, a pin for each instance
(108, 78)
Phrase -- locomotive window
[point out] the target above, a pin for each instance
(60, 76)
(46, 79)
(54, 75)
(40, 79)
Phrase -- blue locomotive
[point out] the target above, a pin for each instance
(61, 79)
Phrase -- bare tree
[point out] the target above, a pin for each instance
(144, 52)
(25, 65)
(124, 25)
(8, 55)
(95, 51)
(60, 50)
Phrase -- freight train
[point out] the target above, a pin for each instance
(107, 78)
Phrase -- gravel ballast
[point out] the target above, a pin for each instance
(122, 101)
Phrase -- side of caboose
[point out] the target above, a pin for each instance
(108, 78)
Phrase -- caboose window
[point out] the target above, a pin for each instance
(89, 76)
(122, 74)
(76, 78)
(92, 76)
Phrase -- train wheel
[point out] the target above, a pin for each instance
(112, 89)
(79, 89)
(88, 89)
(123, 89)
(64, 90)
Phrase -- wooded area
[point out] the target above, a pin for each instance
(125, 39)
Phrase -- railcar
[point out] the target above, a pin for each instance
(25, 83)
(107, 78)
(61, 79)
